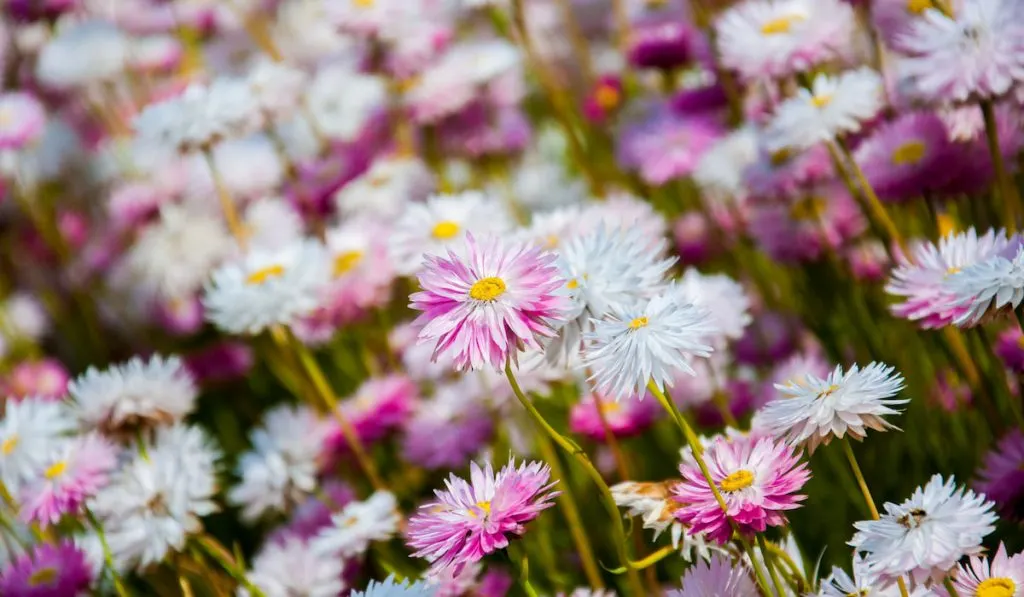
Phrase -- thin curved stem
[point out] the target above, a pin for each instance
(108, 556)
(227, 206)
(577, 452)
(769, 565)
(215, 550)
(1005, 185)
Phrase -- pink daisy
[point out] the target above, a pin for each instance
(666, 146)
(47, 379)
(22, 118)
(501, 298)
(1009, 347)
(717, 576)
(1002, 576)
(1001, 478)
(49, 571)
(76, 471)
(380, 405)
(626, 417)
(472, 519)
(785, 174)
(757, 478)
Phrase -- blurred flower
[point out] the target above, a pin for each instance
(662, 42)
(29, 429)
(342, 101)
(927, 534)
(45, 379)
(282, 466)
(379, 405)
(82, 53)
(1001, 477)
(72, 473)
(48, 571)
(357, 524)
(646, 342)
(293, 567)
(724, 300)
(22, 118)
(386, 187)
(769, 339)
(813, 410)
(719, 171)
(625, 418)
(219, 362)
(758, 479)
(716, 576)
(605, 99)
(447, 429)
(278, 88)
(487, 307)
(1009, 347)
(833, 106)
(803, 228)
(487, 69)
(472, 519)
(665, 146)
(908, 157)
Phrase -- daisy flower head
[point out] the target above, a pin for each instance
(29, 430)
(665, 146)
(624, 210)
(814, 410)
(75, 470)
(862, 582)
(152, 505)
(1001, 477)
(786, 174)
(908, 156)
(922, 280)
(978, 53)
(647, 342)
(448, 428)
(1000, 576)
(471, 519)
(720, 170)
(278, 88)
(358, 524)
(46, 378)
(342, 102)
(267, 287)
(361, 268)
(386, 188)
(804, 227)
(379, 405)
(723, 298)
(984, 289)
(292, 567)
(500, 299)
(716, 576)
(756, 476)
(441, 224)
(606, 269)
(81, 53)
(282, 466)
(48, 571)
(832, 107)
(662, 42)
(654, 504)
(928, 533)
(392, 588)
(134, 394)
(893, 19)
(22, 118)
(624, 418)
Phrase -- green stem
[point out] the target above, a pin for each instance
(212, 548)
(108, 556)
(581, 457)
(948, 583)
(769, 565)
(1007, 189)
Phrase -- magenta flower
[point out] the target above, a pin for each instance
(757, 478)
(49, 571)
(46, 378)
(379, 406)
(908, 157)
(484, 308)
(627, 417)
(472, 519)
(665, 146)
(1001, 478)
(604, 99)
(77, 470)
(663, 43)
(802, 229)
(1009, 347)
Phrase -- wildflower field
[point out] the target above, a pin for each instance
(543, 298)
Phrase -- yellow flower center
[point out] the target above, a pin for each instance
(953, 270)
(345, 262)
(860, 593)
(808, 209)
(828, 391)
(487, 289)
(9, 445)
(56, 469)
(445, 230)
(485, 506)
(741, 479)
(572, 284)
(610, 408)
(364, 3)
(918, 6)
(946, 224)
(820, 101)
(265, 273)
(996, 587)
(910, 152)
(43, 576)
(349, 522)
(781, 24)
(608, 97)
(1020, 344)
(638, 323)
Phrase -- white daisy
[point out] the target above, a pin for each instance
(978, 53)
(927, 534)
(777, 38)
(291, 568)
(553, 228)
(282, 466)
(832, 107)
(172, 257)
(813, 410)
(719, 171)
(134, 394)
(863, 582)
(83, 53)
(359, 523)
(267, 287)
(248, 167)
(986, 287)
(272, 223)
(154, 502)
(23, 317)
(648, 342)
(200, 117)
(278, 88)
(342, 101)
(624, 210)
(440, 224)
(653, 502)
(392, 588)
(386, 188)
(541, 183)
(29, 431)
(607, 271)
(724, 299)
(717, 576)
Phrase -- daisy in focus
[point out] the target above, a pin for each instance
(989, 287)
(813, 410)
(1001, 574)
(392, 588)
(472, 519)
(502, 298)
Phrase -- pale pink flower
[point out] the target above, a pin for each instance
(77, 469)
